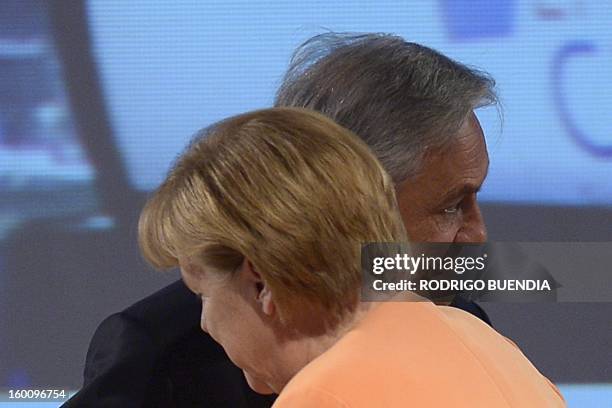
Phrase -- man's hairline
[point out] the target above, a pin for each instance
(421, 157)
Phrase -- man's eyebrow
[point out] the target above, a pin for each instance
(460, 191)
(466, 188)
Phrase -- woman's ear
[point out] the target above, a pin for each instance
(267, 301)
(263, 293)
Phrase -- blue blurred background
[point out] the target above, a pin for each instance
(98, 97)
(174, 68)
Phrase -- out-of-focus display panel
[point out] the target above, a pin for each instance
(171, 68)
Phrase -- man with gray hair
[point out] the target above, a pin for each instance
(415, 108)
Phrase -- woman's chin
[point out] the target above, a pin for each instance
(256, 385)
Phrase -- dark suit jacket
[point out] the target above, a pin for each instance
(154, 354)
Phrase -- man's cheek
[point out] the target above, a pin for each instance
(444, 229)
(450, 234)
(419, 229)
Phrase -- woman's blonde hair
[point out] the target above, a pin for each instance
(287, 189)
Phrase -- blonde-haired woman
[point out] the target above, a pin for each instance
(265, 214)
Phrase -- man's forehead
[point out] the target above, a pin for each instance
(460, 167)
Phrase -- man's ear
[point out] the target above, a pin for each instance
(263, 293)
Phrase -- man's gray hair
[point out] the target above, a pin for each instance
(401, 98)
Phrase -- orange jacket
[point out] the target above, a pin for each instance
(417, 354)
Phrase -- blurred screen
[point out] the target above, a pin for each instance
(44, 171)
(46, 178)
(169, 69)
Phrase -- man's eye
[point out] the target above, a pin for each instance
(451, 210)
